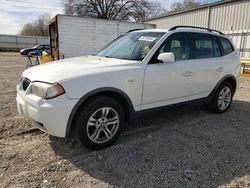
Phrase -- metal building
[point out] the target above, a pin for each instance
(232, 17)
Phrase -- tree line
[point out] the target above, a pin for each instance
(123, 10)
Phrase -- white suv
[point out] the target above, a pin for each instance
(93, 96)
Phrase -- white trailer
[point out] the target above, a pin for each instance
(72, 36)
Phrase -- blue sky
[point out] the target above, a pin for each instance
(15, 13)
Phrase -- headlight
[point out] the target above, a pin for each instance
(46, 91)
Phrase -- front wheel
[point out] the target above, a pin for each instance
(99, 123)
(222, 98)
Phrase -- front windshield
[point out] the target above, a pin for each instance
(132, 46)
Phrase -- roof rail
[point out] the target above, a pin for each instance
(183, 26)
(134, 30)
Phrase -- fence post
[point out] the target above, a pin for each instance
(16, 43)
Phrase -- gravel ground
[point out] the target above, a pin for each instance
(181, 147)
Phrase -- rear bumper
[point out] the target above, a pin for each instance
(51, 115)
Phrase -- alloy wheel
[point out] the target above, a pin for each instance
(103, 125)
(224, 98)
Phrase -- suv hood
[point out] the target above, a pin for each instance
(75, 67)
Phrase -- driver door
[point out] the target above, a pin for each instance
(169, 83)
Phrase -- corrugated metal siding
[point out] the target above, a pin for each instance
(196, 18)
(84, 36)
(228, 17)
(232, 18)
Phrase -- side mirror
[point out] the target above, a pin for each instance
(167, 57)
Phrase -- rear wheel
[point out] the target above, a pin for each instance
(222, 98)
(99, 123)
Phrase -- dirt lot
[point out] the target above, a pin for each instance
(182, 147)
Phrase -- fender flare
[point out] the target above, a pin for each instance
(211, 95)
(92, 93)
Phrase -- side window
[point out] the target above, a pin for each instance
(226, 46)
(203, 46)
(217, 52)
(178, 44)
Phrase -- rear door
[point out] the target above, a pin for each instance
(208, 64)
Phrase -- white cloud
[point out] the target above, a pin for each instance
(15, 13)
(29, 5)
(167, 4)
(8, 24)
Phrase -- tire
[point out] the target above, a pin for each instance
(99, 122)
(222, 99)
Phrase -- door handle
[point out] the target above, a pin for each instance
(188, 73)
(220, 69)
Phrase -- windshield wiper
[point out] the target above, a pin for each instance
(107, 56)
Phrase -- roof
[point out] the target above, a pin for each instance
(152, 30)
(52, 20)
(185, 29)
(193, 9)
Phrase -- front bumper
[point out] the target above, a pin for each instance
(51, 115)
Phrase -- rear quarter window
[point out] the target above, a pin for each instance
(226, 46)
